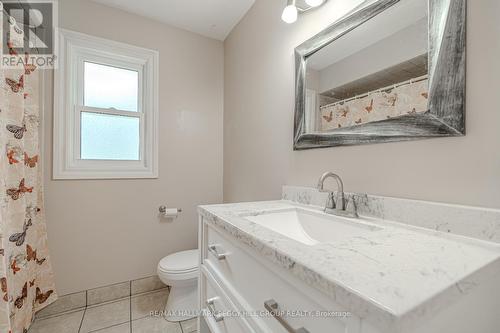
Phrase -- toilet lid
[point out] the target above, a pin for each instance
(184, 261)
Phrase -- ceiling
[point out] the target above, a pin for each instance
(214, 18)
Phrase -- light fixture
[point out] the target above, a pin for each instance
(294, 7)
(290, 12)
(315, 3)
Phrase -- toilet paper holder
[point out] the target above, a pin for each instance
(163, 209)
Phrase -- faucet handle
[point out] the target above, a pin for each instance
(351, 207)
(330, 202)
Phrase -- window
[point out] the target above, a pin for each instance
(106, 109)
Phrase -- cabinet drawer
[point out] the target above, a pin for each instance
(253, 285)
(218, 309)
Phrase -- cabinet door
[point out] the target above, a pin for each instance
(254, 287)
(203, 326)
(218, 311)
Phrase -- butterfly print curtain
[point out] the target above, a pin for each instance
(26, 278)
(406, 99)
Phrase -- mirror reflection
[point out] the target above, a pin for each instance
(376, 72)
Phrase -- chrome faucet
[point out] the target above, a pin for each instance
(336, 207)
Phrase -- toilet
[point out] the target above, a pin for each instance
(180, 272)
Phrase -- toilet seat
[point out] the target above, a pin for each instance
(180, 265)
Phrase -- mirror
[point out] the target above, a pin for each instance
(386, 72)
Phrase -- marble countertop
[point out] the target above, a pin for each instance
(393, 277)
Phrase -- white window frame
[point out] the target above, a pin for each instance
(75, 49)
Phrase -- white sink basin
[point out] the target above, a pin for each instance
(311, 227)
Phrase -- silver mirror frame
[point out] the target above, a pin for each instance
(447, 52)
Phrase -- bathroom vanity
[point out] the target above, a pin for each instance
(402, 266)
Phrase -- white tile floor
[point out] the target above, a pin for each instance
(127, 315)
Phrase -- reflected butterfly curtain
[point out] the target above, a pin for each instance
(26, 278)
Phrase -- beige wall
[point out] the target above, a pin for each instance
(107, 231)
(258, 120)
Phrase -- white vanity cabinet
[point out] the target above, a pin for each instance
(240, 288)
(281, 267)
(245, 292)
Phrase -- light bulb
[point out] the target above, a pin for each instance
(290, 14)
(315, 3)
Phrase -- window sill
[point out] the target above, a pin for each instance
(86, 174)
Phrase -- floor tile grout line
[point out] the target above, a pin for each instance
(148, 316)
(81, 321)
(129, 321)
(96, 306)
(84, 311)
(85, 308)
(86, 305)
(109, 302)
(150, 292)
(108, 285)
(105, 328)
(124, 298)
(130, 307)
(60, 314)
(118, 324)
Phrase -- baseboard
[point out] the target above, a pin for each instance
(82, 299)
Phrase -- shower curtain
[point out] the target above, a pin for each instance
(26, 278)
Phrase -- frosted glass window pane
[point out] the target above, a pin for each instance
(109, 137)
(110, 87)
